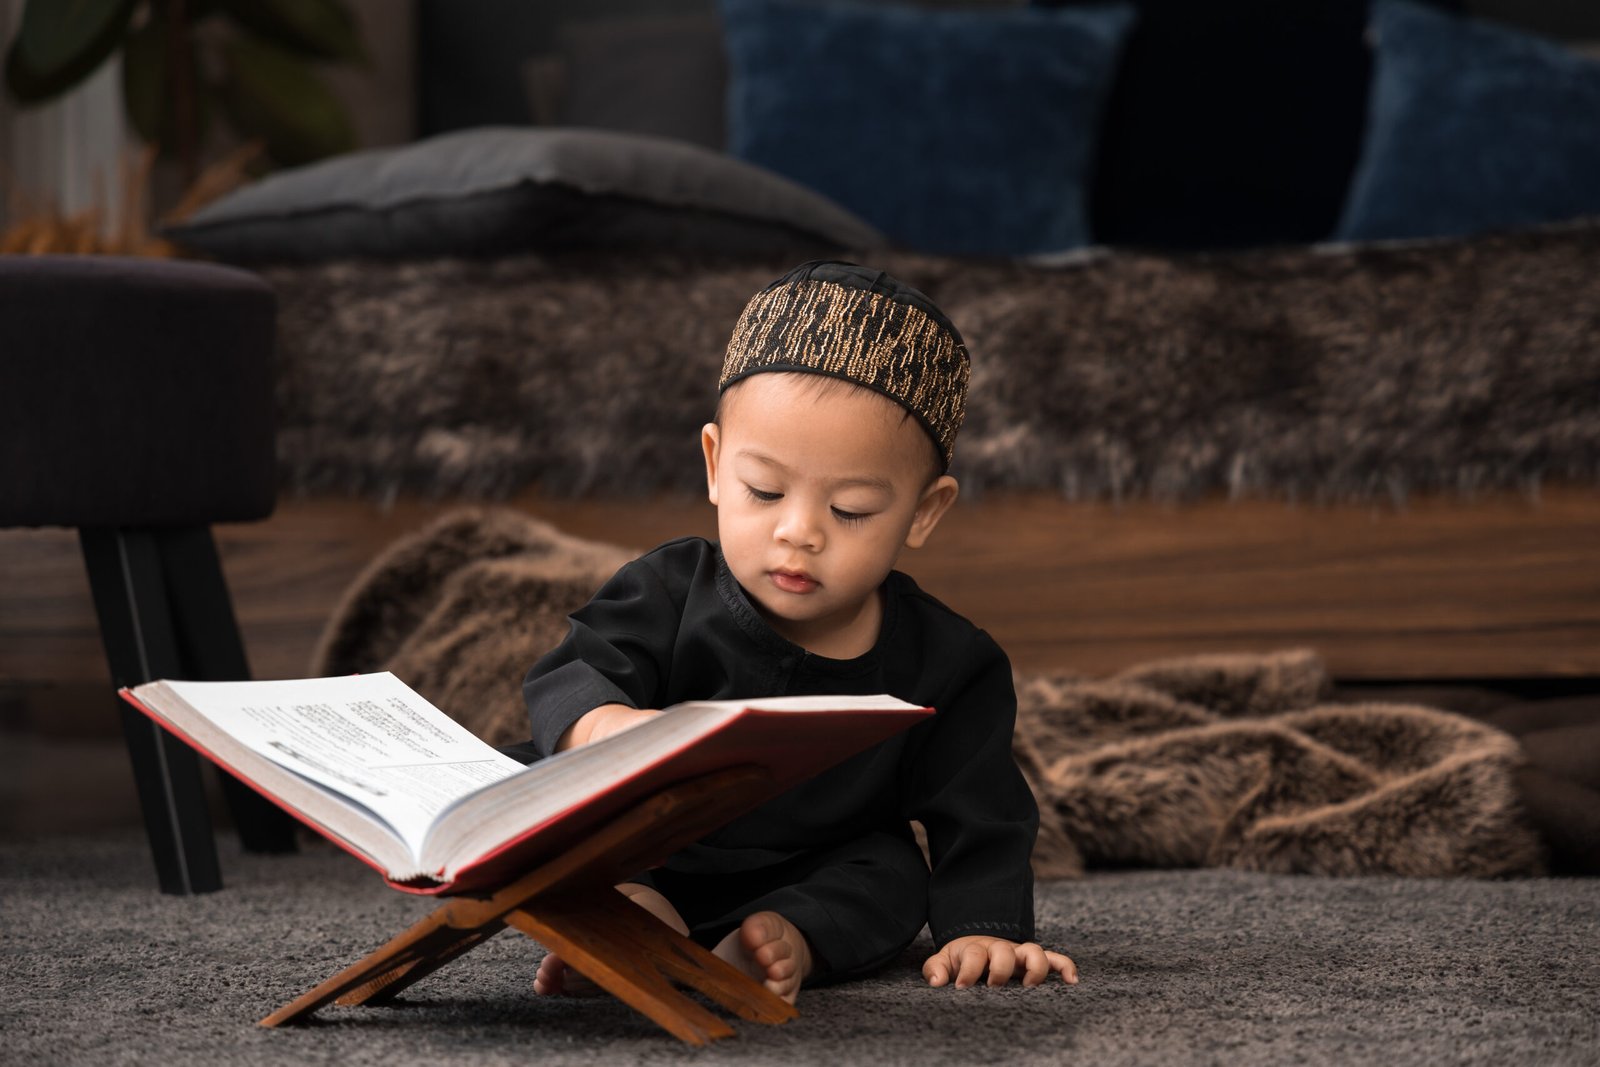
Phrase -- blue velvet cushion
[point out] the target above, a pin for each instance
(1472, 127)
(959, 132)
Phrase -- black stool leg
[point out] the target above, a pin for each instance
(136, 625)
(212, 651)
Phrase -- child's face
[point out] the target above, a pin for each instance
(816, 494)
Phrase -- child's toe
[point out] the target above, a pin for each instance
(547, 980)
(773, 952)
(554, 978)
(761, 929)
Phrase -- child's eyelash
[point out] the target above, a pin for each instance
(849, 518)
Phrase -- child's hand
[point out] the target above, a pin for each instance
(966, 959)
(618, 718)
(603, 721)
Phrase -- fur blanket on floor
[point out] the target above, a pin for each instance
(1205, 761)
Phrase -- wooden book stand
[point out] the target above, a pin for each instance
(568, 905)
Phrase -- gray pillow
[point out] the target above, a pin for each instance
(495, 190)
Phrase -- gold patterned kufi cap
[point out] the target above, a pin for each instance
(859, 324)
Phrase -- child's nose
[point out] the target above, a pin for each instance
(798, 527)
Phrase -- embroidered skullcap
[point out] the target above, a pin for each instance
(852, 322)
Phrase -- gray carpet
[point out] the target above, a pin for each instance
(1207, 966)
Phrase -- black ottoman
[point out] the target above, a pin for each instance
(136, 406)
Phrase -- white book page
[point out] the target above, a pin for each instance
(370, 737)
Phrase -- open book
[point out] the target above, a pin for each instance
(368, 763)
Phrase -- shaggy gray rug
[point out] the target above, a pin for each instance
(1333, 373)
(1179, 967)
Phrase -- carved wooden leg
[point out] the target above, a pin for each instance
(387, 986)
(677, 957)
(428, 944)
(586, 939)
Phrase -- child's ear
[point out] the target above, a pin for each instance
(711, 445)
(936, 500)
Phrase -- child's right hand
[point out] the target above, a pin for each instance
(967, 959)
(603, 721)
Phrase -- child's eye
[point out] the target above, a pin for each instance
(851, 517)
(762, 495)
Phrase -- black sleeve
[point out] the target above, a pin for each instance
(617, 652)
(965, 788)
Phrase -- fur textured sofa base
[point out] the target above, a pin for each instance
(1326, 373)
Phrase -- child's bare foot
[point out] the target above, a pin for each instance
(770, 948)
(556, 978)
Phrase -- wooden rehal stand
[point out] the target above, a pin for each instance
(568, 905)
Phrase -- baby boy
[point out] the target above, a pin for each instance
(842, 391)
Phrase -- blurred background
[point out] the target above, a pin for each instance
(317, 78)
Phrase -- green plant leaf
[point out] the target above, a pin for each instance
(273, 95)
(148, 90)
(62, 42)
(319, 29)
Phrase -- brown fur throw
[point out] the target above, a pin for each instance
(1204, 761)
(1355, 372)
(462, 608)
(1232, 761)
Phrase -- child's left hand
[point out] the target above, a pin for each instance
(966, 959)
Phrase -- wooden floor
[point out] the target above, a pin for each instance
(1443, 589)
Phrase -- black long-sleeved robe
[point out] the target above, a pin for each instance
(674, 625)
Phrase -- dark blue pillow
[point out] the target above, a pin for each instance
(960, 132)
(1472, 127)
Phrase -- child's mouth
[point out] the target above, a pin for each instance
(792, 583)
